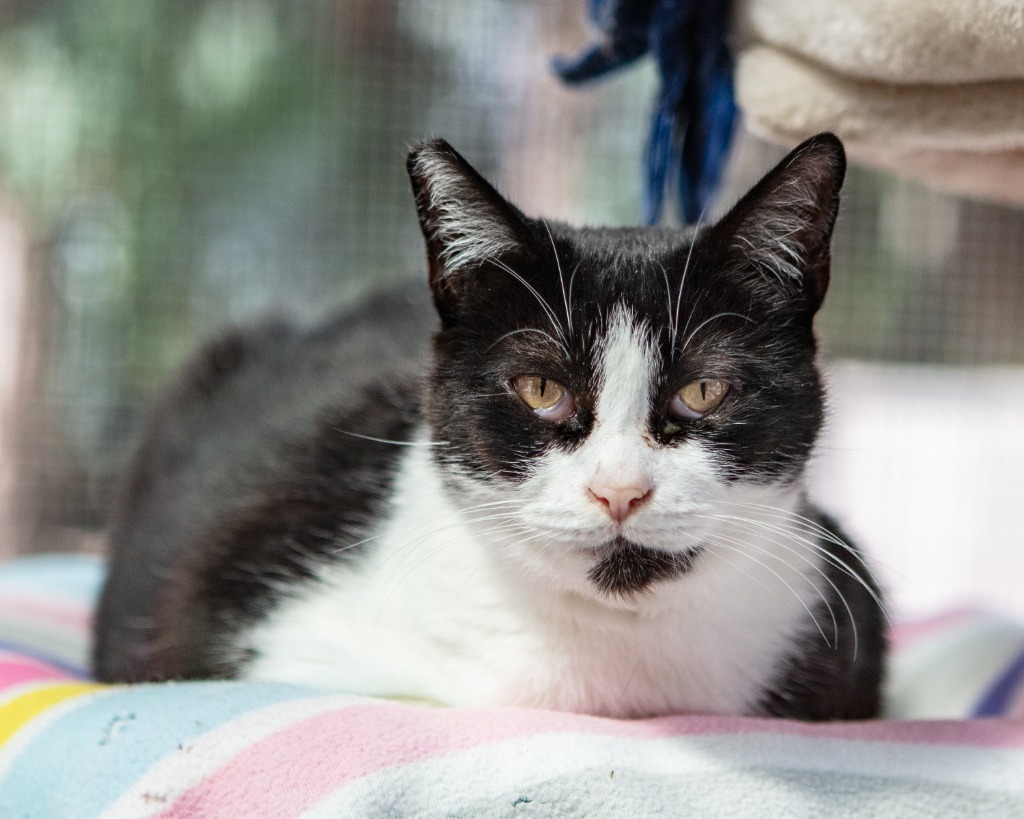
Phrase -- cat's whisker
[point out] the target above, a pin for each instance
(802, 556)
(350, 546)
(537, 330)
(707, 321)
(478, 395)
(689, 320)
(835, 625)
(414, 538)
(792, 534)
(561, 278)
(724, 544)
(494, 531)
(830, 537)
(428, 531)
(390, 441)
(490, 504)
(682, 278)
(572, 280)
(753, 526)
(787, 514)
(540, 300)
(834, 560)
(668, 307)
(450, 524)
(817, 528)
(423, 533)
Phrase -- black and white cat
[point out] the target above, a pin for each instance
(593, 500)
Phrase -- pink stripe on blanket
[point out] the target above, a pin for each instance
(316, 756)
(905, 634)
(17, 670)
(320, 754)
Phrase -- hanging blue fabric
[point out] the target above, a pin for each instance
(695, 111)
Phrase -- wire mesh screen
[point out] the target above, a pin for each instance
(169, 167)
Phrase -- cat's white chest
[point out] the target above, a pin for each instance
(427, 614)
(415, 615)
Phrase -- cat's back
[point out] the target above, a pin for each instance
(228, 428)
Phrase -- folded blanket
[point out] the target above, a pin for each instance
(933, 42)
(70, 748)
(933, 89)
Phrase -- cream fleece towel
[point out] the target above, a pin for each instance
(929, 88)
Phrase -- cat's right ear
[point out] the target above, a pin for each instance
(466, 223)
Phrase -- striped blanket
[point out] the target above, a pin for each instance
(72, 748)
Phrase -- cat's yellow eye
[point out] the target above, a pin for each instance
(545, 396)
(698, 398)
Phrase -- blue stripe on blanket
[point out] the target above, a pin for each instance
(1002, 693)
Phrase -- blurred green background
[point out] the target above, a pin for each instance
(168, 166)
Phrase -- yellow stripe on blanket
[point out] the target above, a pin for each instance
(16, 713)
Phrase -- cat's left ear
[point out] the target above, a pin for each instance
(783, 226)
(466, 223)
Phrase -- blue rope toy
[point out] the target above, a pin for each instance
(695, 111)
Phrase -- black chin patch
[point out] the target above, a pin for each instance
(630, 568)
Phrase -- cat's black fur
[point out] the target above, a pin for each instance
(245, 479)
(251, 474)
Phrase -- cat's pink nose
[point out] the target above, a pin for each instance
(619, 501)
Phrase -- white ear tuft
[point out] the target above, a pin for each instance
(775, 240)
(464, 220)
(784, 225)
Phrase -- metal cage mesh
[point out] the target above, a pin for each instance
(166, 168)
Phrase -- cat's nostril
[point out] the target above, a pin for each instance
(620, 501)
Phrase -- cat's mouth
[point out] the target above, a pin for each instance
(625, 568)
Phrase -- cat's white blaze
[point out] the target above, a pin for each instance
(626, 368)
(486, 600)
(615, 455)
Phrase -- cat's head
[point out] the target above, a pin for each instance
(603, 398)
